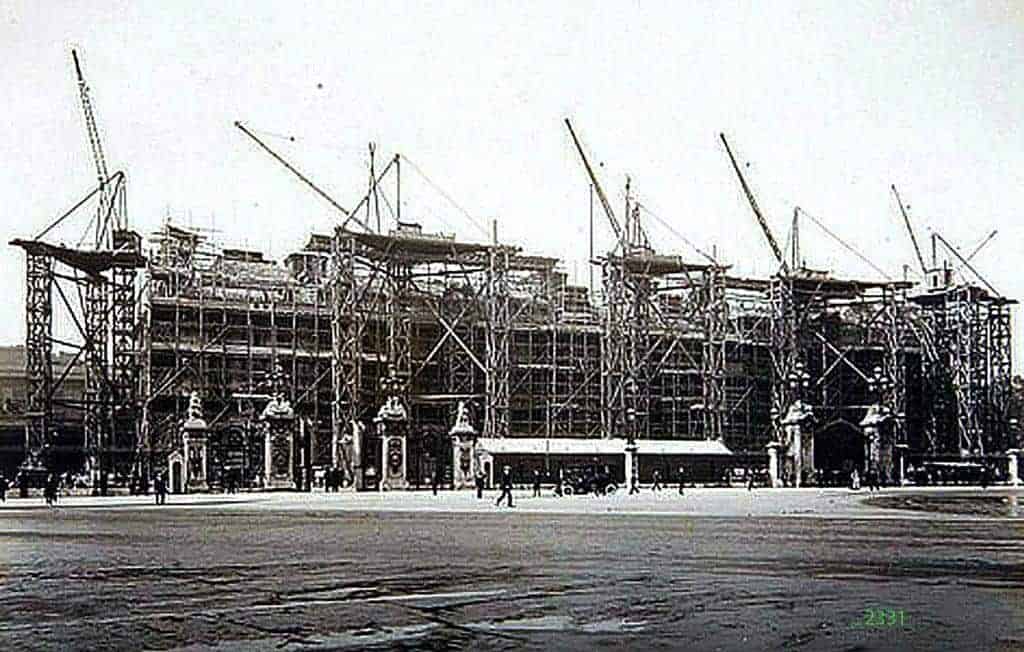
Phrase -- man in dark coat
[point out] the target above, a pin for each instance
(682, 479)
(872, 478)
(506, 486)
(750, 478)
(3, 489)
(160, 489)
(480, 481)
(536, 483)
(50, 492)
(657, 481)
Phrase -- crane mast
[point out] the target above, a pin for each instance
(910, 229)
(103, 227)
(597, 187)
(772, 242)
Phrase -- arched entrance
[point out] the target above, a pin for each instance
(838, 449)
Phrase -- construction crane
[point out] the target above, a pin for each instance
(103, 227)
(597, 187)
(977, 250)
(772, 242)
(910, 229)
(965, 262)
(349, 215)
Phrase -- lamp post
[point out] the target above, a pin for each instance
(632, 470)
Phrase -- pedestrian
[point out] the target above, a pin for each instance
(854, 480)
(634, 483)
(682, 479)
(874, 480)
(50, 491)
(536, 483)
(160, 489)
(559, 491)
(506, 486)
(657, 481)
(750, 478)
(435, 480)
(984, 476)
(3, 488)
(480, 484)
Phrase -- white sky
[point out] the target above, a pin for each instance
(828, 103)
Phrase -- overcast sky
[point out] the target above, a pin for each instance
(825, 104)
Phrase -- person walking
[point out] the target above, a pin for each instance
(160, 489)
(3, 488)
(506, 486)
(536, 483)
(480, 478)
(50, 492)
(435, 480)
(657, 481)
(984, 476)
(750, 478)
(559, 491)
(854, 480)
(682, 479)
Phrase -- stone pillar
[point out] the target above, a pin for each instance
(278, 420)
(773, 464)
(632, 475)
(901, 451)
(1013, 466)
(195, 436)
(798, 414)
(392, 425)
(463, 449)
(354, 454)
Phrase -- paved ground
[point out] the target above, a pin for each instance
(715, 569)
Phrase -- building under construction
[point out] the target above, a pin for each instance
(475, 354)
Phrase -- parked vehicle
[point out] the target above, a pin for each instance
(587, 481)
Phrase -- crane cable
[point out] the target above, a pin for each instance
(845, 244)
(448, 197)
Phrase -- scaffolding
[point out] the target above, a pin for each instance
(219, 322)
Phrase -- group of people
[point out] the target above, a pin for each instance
(870, 479)
(657, 485)
(334, 479)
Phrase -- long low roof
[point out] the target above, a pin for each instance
(595, 446)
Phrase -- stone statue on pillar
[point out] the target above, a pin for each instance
(278, 419)
(195, 437)
(392, 423)
(795, 454)
(800, 439)
(879, 449)
(464, 462)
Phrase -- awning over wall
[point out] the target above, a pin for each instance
(580, 446)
